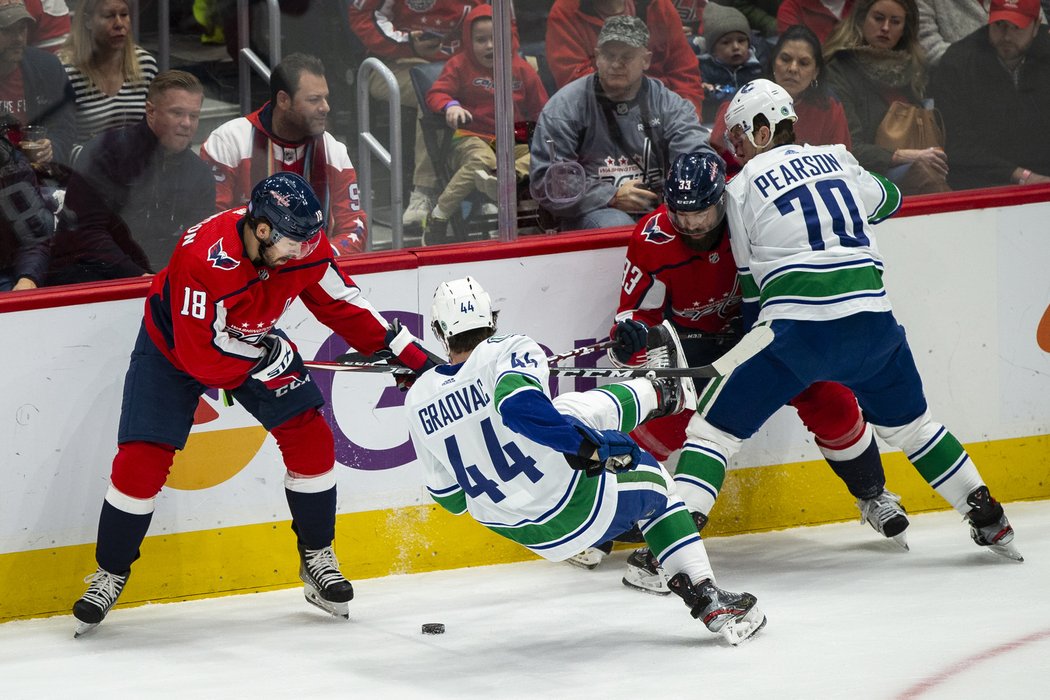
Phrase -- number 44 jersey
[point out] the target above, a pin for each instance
(472, 461)
(800, 221)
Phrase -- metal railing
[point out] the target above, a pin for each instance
(369, 147)
(249, 60)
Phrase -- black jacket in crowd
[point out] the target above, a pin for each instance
(128, 203)
(992, 127)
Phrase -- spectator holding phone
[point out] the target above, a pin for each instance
(622, 127)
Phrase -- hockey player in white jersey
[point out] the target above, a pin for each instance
(557, 476)
(801, 231)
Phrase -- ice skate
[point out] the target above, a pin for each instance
(886, 516)
(591, 557)
(102, 593)
(735, 616)
(645, 574)
(326, 587)
(663, 349)
(989, 526)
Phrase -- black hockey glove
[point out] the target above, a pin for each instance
(629, 336)
(405, 350)
(281, 365)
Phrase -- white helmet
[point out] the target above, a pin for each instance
(759, 97)
(460, 306)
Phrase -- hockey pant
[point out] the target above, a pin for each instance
(868, 353)
(645, 495)
(156, 416)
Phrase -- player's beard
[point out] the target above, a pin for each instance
(703, 242)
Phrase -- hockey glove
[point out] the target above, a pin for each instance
(612, 450)
(280, 365)
(403, 348)
(629, 336)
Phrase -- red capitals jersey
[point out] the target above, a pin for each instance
(664, 278)
(210, 307)
(384, 25)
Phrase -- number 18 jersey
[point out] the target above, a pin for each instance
(800, 221)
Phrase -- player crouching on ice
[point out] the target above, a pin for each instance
(557, 476)
(210, 322)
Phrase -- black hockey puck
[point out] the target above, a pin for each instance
(433, 628)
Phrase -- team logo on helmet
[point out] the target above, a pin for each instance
(281, 199)
(654, 234)
(218, 257)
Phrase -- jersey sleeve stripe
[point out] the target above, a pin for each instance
(454, 502)
(891, 199)
(510, 383)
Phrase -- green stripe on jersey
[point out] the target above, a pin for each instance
(572, 516)
(635, 476)
(939, 458)
(828, 284)
(511, 382)
(455, 502)
(628, 405)
(890, 204)
(748, 286)
(669, 530)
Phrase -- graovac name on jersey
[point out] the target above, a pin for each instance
(452, 407)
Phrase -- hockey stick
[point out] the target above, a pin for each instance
(356, 358)
(749, 346)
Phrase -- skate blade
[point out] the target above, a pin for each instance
(646, 584)
(588, 559)
(901, 541)
(1006, 550)
(743, 628)
(83, 628)
(334, 609)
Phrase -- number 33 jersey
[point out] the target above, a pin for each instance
(473, 462)
(800, 221)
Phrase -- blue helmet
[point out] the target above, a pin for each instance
(287, 201)
(695, 182)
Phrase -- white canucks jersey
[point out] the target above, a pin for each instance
(800, 220)
(473, 462)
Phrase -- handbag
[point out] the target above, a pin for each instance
(910, 126)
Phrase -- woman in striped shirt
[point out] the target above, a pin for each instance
(109, 73)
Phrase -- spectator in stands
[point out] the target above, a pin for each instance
(465, 94)
(572, 33)
(874, 59)
(33, 86)
(110, 74)
(135, 190)
(27, 223)
(760, 14)
(990, 130)
(404, 34)
(944, 22)
(288, 134)
(822, 16)
(52, 24)
(729, 62)
(798, 67)
(622, 127)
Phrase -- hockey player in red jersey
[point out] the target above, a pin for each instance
(680, 267)
(211, 322)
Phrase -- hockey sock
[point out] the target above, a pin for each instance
(944, 463)
(122, 525)
(672, 538)
(699, 476)
(938, 457)
(633, 401)
(313, 510)
(859, 466)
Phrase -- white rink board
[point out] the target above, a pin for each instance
(970, 287)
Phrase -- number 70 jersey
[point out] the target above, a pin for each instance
(800, 220)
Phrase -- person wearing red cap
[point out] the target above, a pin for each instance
(989, 131)
(944, 22)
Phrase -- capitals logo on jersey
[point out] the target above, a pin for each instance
(218, 257)
(654, 234)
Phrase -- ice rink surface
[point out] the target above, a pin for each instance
(850, 616)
